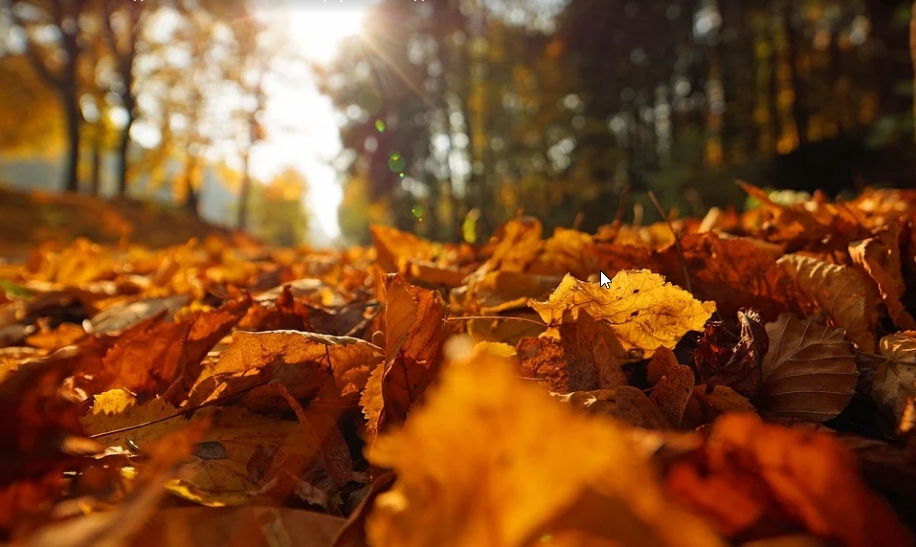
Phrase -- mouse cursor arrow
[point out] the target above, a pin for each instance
(605, 282)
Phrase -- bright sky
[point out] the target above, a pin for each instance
(301, 123)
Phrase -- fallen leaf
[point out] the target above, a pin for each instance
(879, 258)
(838, 291)
(308, 365)
(396, 247)
(586, 356)
(808, 372)
(414, 335)
(525, 464)
(672, 393)
(753, 475)
(642, 309)
(895, 377)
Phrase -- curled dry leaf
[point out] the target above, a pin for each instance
(752, 478)
(528, 467)
(414, 334)
(895, 378)
(672, 393)
(662, 361)
(308, 365)
(879, 258)
(586, 356)
(808, 372)
(642, 309)
(518, 246)
(625, 403)
(395, 247)
(722, 361)
(567, 251)
(838, 291)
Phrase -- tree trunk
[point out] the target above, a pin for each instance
(95, 182)
(192, 196)
(244, 195)
(123, 148)
(71, 161)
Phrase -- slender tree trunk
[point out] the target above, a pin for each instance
(96, 171)
(244, 194)
(71, 161)
(123, 148)
(799, 106)
(192, 196)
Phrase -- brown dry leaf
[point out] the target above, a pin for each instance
(371, 401)
(526, 465)
(838, 291)
(662, 361)
(219, 472)
(715, 400)
(207, 328)
(395, 248)
(238, 527)
(672, 393)
(625, 403)
(586, 356)
(519, 242)
(308, 365)
(332, 447)
(566, 252)
(145, 359)
(117, 409)
(38, 415)
(879, 258)
(808, 372)
(642, 309)
(736, 365)
(735, 272)
(786, 224)
(499, 291)
(65, 334)
(895, 378)
(755, 478)
(414, 333)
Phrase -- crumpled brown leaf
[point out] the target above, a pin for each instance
(721, 360)
(414, 335)
(895, 378)
(879, 257)
(309, 365)
(586, 356)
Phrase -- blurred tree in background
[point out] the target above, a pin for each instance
(80, 76)
(555, 108)
(570, 110)
(278, 214)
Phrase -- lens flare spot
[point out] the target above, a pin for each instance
(396, 162)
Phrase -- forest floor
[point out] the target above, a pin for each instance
(30, 219)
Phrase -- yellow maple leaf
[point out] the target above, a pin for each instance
(643, 310)
(492, 460)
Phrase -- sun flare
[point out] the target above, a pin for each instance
(306, 129)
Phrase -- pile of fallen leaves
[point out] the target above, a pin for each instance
(743, 379)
